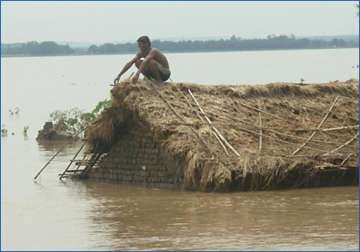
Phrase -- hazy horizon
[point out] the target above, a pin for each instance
(85, 45)
(119, 22)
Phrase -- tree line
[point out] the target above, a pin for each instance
(47, 48)
(271, 42)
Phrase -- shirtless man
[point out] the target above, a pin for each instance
(150, 62)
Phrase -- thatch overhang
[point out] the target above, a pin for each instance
(284, 134)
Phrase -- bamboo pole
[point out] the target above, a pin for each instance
(252, 125)
(202, 120)
(179, 116)
(220, 142)
(212, 126)
(346, 159)
(190, 105)
(234, 120)
(318, 127)
(262, 111)
(57, 153)
(277, 139)
(226, 142)
(330, 129)
(343, 145)
(264, 129)
(261, 132)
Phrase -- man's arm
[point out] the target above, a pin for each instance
(125, 68)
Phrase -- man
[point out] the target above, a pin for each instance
(150, 62)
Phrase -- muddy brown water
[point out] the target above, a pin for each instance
(87, 215)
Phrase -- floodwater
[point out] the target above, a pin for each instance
(85, 215)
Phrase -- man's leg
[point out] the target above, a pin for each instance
(151, 69)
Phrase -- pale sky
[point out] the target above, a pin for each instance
(98, 22)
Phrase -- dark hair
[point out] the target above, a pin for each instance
(144, 39)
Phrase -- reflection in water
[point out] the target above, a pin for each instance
(144, 218)
(68, 146)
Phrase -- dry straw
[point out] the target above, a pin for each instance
(264, 124)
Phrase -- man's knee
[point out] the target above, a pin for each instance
(153, 65)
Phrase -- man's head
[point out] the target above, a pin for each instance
(144, 43)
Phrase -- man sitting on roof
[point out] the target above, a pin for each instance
(150, 62)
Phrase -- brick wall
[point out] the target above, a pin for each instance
(137, 159)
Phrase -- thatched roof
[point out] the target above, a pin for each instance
(290, 114)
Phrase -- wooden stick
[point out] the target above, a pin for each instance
(202, 120)
(179, 116)
(220, 142)
(128, 79)
(346, 159)
(261, 132)
(318, 127)
(330, 129)
(226, 142)
(234, 121)
(190, 105)
(252, 125)
(130, 76)
(343, 145)
(264, 129)
(277, 139)
(262, 111)
(48, 162)
(51, 159)
(212, 126)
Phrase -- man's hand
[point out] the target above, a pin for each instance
(136, 77)
(117, 79)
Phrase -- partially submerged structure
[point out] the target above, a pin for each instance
(227, 138)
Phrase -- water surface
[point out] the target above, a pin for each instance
(85, 215)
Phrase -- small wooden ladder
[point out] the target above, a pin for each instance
(85, 161)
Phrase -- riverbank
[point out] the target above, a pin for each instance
(280, 135)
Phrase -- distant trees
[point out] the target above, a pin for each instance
(36, 49)
(272, 42)
(109, 48)
(234, 43)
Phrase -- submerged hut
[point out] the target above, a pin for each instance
(227, 138)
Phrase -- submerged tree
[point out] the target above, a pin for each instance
(72, 121)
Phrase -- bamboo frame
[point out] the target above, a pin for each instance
(202, 120)
(343, 145)
(318, 127)
(330, 129)
(346, 159)
(179, 116)
(262, 111)
(212, 126)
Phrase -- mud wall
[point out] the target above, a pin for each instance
(137, 158)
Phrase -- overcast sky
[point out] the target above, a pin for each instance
(98, 22)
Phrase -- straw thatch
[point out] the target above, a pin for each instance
(286, 134)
